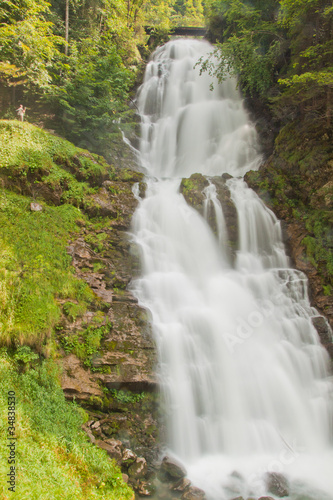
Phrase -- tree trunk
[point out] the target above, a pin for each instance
(66, 26)
(328, 107)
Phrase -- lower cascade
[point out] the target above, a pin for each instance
(245, 380)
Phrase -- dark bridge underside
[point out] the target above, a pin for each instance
(181, 31)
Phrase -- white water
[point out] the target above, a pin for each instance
(244, 376)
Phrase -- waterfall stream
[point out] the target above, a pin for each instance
(245, 380)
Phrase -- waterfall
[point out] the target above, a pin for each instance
(245, 380)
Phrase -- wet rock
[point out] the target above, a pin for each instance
(238, 498)
(138, 469)
(36, 207)
(323, 329)
(129, 353)
(277, 484)
(229, 212)
(96, 425)
(171, 469)
(128, 457)
(266, 498)
(192, 188)
(100, 205)
(181, 485)
(125, 478)
(144, 488)
(193, 493)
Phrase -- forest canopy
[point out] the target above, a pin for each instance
(73, 63)
(281, 51)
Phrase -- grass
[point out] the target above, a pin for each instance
(54, 459)
(38, 287)
(24, 146)
(48, 167)
(35, 269)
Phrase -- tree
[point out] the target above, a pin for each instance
(251, 45)
(27, 43)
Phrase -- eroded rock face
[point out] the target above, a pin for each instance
(78, 382)
(229, 211)
(116, 383)
(129, 350)
(192, 190)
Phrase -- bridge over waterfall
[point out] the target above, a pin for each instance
(182, 31)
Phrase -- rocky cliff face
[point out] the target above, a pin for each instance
(115, 382)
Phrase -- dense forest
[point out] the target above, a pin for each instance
(75, 65)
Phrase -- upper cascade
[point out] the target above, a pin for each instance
(191, 124)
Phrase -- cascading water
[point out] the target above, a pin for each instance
(244, 376)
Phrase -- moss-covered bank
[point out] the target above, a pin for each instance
(68, 326)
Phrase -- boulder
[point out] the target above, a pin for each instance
(321, 325)
(277, 484)
(138, 469)
(171, 469)
(193, 493)
(144, 488)
(128, 456)
(181, 485)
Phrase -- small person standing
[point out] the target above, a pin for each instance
(21, 111)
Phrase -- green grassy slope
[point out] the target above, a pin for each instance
(54, 459)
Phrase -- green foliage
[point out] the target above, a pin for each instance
(127, 396)
(285, 58)
(319, 243)
(85, 344)
(77, 80)
(28, 149)
(27, 43)
(251, 45)
(91, 95)
(25, 355)
(53, 450)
